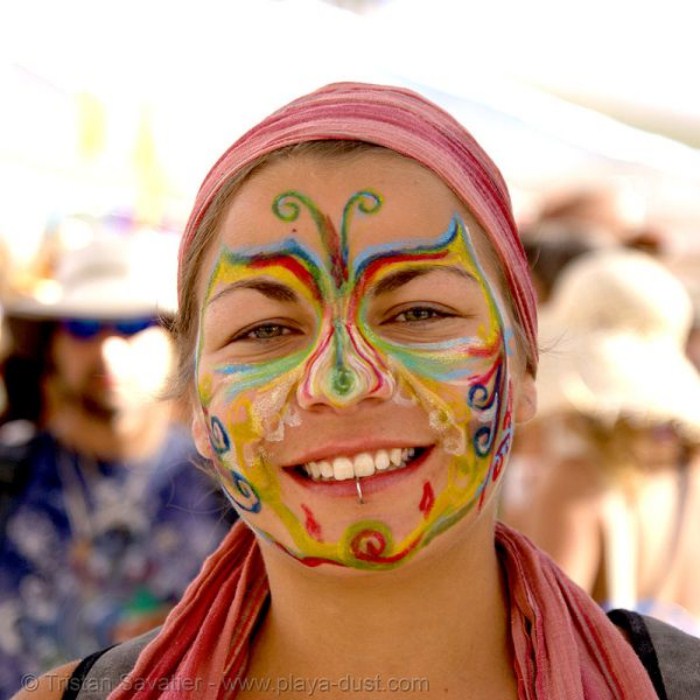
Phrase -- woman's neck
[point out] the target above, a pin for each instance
(440, 618)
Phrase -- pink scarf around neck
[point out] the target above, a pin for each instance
(564, 645)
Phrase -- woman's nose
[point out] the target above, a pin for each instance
(344, 370)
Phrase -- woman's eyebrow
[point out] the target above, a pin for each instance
(272, 290)
(397, 279)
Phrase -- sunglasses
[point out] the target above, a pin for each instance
(89, 328)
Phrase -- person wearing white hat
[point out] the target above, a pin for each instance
(616, 500)
(102, 493)
(104, 351)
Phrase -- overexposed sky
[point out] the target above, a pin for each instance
(627, 50)
(643, 53)
(204, 71)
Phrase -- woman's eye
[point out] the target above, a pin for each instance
(418, 314)
(268, 331)
(423, 324)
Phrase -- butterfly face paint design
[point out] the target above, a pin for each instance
(260, 390)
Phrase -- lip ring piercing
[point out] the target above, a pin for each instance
(360, 498)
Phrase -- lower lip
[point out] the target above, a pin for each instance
(369, 484)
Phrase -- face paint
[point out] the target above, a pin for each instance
(461, 383)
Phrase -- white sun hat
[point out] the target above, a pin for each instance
(112, 276)
(613, 340)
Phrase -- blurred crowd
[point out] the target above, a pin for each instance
(606, 479)
(105, 516)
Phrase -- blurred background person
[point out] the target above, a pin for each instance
(4, 277)
(581, 219)
(550, 246)
(693, 347)
(687, 268)
(567, 224)
(105, 519)
(614, 487)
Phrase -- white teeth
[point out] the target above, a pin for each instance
(363, 464)
(382, 461)
(343, 469)
(315, 470)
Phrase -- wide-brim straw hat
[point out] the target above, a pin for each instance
(112, 277)
(613, 340)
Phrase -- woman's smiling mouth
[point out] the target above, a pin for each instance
(361, 465)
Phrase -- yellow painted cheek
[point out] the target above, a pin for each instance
(205, 388)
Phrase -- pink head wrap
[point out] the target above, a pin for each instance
(406, 123)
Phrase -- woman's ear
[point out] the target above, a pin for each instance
(526, 399)
(200, 433)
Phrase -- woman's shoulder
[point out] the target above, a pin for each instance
(678, 654)
(108, 669)
(670, 655)
(93, 678)
(50, 686)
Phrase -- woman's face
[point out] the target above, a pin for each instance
(355, 371)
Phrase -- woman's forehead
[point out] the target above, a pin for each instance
(413, 203)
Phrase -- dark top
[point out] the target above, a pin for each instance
(671, 658)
